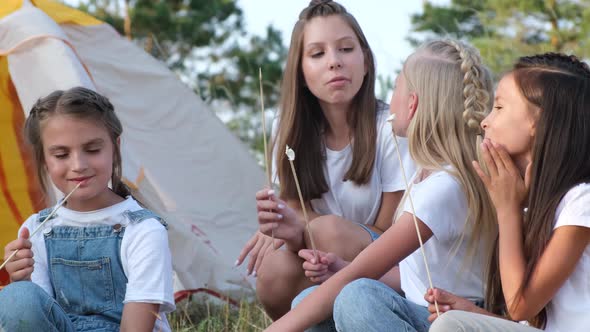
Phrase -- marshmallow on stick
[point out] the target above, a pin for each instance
(291, 156)
(390, 119)
(43, 223)
(266, 155)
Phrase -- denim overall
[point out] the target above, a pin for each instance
(86, 271)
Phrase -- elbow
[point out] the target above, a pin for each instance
(517, 315)
(522, 312)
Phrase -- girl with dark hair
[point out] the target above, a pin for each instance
(101, 262)
(538, 161)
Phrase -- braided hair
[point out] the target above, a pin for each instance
(454, 91)
(81, 103)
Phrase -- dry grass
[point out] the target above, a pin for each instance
(206, 316)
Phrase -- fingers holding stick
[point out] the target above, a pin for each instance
(266, 155)
(43, 223)
(291, 156)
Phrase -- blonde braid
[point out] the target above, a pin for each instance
(475, 95)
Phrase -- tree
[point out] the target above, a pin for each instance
(503, 29)
(205, 42)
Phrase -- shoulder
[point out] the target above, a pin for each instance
(441, 181)
(382, 113)
(383, 127)
(440, 190)
(574, 208)
(31, 222)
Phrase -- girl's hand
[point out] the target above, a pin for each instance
(446, 301)
(275, 215)
(328, 264)
(506, 186)
(21, 265)
(256, 248)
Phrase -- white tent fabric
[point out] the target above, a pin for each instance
(179, 158)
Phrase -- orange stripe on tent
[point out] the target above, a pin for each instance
(11, 146)
(16, 177)
(9, 201)
(8, 196)
(18, 121)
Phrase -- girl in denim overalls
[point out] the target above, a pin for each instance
(102, 263)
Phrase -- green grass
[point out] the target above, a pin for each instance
(194, 316)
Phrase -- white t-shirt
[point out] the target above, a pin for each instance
(569, 310)
(145, 254)
(441, 204)
(361, 204)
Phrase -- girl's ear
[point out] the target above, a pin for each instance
(118, 142)
(412, 105)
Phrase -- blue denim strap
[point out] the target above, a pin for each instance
(143, 214)
(43, 214)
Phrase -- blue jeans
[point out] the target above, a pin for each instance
(370, 305)
(325, 326)
(27, 307)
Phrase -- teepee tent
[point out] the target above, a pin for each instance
(178, 158)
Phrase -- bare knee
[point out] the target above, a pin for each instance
(277, 266)
(334, 234)
(326, 230)
(279, 280)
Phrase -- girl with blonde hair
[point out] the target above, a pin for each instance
(439, 99)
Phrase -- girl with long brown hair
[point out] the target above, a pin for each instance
(537, 156)
(345, 156)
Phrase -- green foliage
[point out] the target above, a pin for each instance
(205, 42)
(505, 29)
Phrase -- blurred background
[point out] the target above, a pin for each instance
(216, 46)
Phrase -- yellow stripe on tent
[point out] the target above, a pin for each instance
(15, 180)
(12, 151)
(8, 6)
(60, 13)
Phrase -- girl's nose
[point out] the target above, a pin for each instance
(335, 65)
(79, 162)
(334, 60)
(484, 123)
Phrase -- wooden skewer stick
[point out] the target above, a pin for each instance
(390, 119)
(266, 156)
(291, 156)
(41, 225)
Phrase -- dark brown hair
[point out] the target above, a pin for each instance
(302, 124)
(557, 88)
(80, 103)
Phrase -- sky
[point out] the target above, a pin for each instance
(386, 24)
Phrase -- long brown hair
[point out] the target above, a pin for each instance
(80, 103)
(302, 124)
(557, 88)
